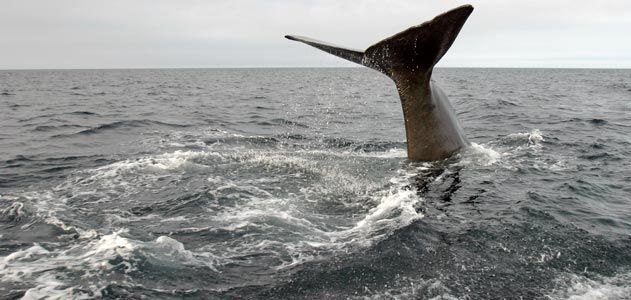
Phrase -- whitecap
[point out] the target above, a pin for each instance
(575, 287)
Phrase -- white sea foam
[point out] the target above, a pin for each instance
(394, 209)
(163, 162)
(386, 206)
(134, 175)
(534, 137)
(307, 237)
(406, 288)
(489, 154)
(390, 153)
(582, 288)
(527, 153)
(513, 152)
(479, 155)
(15, 211)
(50, 287)
(95, 259)
(397, 207)
(172, 219)
(282, 223)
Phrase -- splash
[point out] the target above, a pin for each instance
(479, 155)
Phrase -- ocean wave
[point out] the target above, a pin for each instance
(600, 156)
(122, 125)
(83, 113)
(18, 158)
(619, 85)
(280, 121)
(47, 128)
(52, 116)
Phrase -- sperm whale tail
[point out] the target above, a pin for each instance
(413, 51)
(408, 57)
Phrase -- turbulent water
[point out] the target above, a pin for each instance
(294, 183)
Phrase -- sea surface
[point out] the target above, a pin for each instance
(294, 184)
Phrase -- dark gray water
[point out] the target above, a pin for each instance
(294, 183)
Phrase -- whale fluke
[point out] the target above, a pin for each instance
(408, 58)
(353, 55)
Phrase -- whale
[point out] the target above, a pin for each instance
(432, 130)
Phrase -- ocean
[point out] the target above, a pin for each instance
(294, 184)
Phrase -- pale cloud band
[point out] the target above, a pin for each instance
(232, 33)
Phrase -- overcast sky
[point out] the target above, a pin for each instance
(53, 34)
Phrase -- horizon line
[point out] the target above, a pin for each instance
(296, 67)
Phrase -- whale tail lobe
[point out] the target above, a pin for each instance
(412, 51)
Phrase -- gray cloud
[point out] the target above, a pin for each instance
(234, 33)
